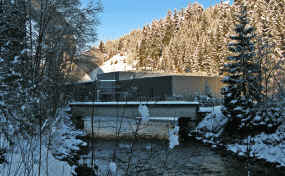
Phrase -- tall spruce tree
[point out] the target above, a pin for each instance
(242, 90)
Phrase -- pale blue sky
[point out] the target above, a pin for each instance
(122, 16)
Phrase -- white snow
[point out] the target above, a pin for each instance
(23, 107)
(24, 51)
(20, 162)
(162, 118)
(86, 77)
(143, 110)
(270, 147)
(234, 101)
(134, 103)
(238, 108)
(257, 118)
(23, 156)
(113, 168)
(116, 63)
(64, 137)
(16, 59)
(226, 2)
(226, 78)
(212, 124)
(205, 109)
(173, 137)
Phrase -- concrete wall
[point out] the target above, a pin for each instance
(122, 109)
(191, 85)
(148, 87)
(85, 91)
(121, 127)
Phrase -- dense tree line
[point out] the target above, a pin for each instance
(194, 39)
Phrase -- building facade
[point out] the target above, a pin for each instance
(133, 86)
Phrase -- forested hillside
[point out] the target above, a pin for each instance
(195, 39)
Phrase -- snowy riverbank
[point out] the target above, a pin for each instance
(268, 147)
(27, 156)
(26, 163)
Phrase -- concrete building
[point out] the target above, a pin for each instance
(132, 86)
(156, 86)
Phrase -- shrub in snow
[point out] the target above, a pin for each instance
(213, 122)
(264, 146)
(267, 118)
(212, 126)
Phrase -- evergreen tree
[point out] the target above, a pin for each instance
(242, 89)
(168, 29)
(13, 56)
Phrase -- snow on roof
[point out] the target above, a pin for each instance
(206, 109)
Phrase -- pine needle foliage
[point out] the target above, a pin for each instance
(242, 90)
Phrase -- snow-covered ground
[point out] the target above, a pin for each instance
(116, 63)
(25, 163)
(270, 147)
(64, 137)
(59, 143)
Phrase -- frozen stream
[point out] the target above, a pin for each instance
(153, 158)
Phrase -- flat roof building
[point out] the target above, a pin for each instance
(161, 86)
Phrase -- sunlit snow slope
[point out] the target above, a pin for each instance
(116, 63)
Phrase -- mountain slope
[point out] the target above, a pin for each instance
(195, 39)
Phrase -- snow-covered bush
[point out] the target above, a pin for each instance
(212, 126)
(267, 118)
